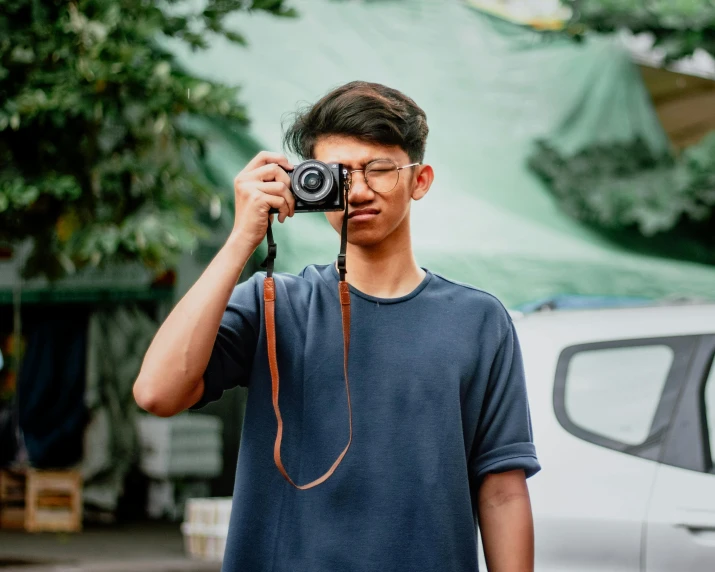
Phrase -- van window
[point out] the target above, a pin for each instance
(710, 410)
(615, 392)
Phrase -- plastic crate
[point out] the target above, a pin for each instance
(184, 446)
(205, 527)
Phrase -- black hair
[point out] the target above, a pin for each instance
(367, 111)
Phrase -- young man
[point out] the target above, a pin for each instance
(441, 436)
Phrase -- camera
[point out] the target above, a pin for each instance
(318, 187)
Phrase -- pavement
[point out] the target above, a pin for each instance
(136, 547)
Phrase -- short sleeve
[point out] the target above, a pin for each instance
(232, 355)
(504, 441)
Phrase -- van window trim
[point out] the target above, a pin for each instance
(683, 348)
(687, 444)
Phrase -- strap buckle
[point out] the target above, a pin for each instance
(342, 266)
(271, 256)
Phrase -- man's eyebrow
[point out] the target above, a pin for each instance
(363, 164)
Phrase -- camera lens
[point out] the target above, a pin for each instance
(312, 181)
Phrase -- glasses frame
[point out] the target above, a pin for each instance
(349, 174)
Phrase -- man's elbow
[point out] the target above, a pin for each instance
(503, 488)
(151, 401)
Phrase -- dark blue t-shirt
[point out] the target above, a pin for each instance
(439, 400)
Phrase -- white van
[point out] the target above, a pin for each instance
(623, 410)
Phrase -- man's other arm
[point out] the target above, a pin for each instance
(506, 522)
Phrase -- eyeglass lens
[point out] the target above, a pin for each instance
(382, 175)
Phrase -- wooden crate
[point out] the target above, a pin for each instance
(41, 500)
(12, 499)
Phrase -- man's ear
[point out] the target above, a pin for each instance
(423, 181)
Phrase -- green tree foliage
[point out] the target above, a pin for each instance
(663, 205)
(679, 26)
(97, 159)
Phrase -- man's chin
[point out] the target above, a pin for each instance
(364, 239)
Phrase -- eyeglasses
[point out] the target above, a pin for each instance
(381, 175)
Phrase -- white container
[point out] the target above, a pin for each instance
(205, 527)
(184, 446)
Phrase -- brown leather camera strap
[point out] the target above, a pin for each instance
(269, 298)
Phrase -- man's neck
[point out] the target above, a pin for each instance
(386, 271)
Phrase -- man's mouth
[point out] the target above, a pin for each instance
(363, 214)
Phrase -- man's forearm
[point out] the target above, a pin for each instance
(506, 523)
(173, 367)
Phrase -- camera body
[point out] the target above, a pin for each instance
(318, 187)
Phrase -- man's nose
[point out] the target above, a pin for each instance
(359, 190)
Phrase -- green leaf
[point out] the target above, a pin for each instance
(97, 159)
(680, 27)
(624, 188)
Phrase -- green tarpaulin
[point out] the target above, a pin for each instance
(490, 89)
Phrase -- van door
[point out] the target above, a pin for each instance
(680, 532)
(599, 434)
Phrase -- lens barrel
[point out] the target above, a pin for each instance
(313, 182)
